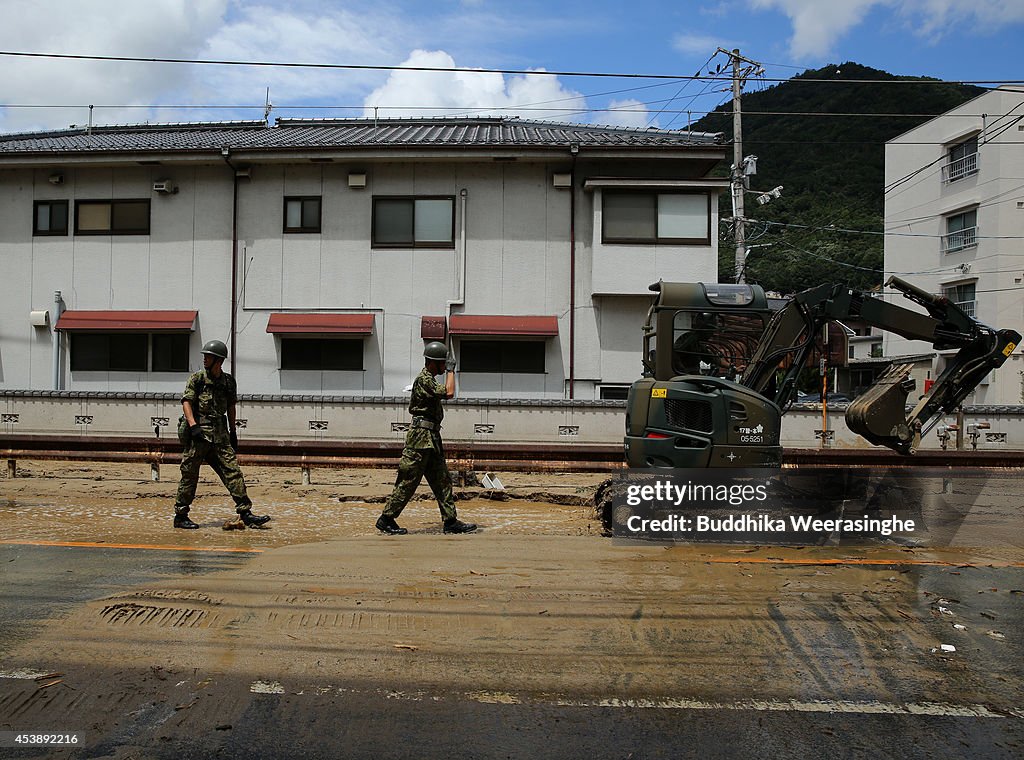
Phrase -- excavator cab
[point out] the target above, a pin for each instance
(698, 340)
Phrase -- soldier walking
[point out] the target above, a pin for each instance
(424, 452)
(209, 395)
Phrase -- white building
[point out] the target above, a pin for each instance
(325, 252)
(954, 222)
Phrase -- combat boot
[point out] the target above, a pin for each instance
(183, 521)
(455, 525)
(253, 521)
(389, 526)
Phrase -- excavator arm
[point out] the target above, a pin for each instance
(879, 414)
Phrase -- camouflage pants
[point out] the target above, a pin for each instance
(221, 457)
(414, 465)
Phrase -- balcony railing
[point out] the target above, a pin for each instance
(959, 240)
(960, 168)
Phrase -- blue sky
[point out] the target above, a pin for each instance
(947, 39)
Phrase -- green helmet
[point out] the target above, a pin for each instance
(215, 348)
(435, 350)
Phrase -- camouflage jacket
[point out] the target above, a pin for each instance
(210, 397)
(427, 394)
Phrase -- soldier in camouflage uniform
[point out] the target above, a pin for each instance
(209, 395)
(424, 453)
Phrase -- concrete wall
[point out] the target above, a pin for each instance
(383, 418)
(915, 218)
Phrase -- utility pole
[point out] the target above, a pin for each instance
(742, 68)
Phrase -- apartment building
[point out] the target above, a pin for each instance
(954, 222)
(325, 252)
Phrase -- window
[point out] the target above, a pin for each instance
(961, 231)
(963, 295)
(170, 352)
(680, 218)
(302, 214)
(129, 352)
(513, 356)
(112, 217)
(50, 218)
(961, 161)
(414, 222)
(109, 352)
(322, 354)
(709, 343)
(614, 392)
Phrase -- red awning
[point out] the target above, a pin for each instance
(317, 324)
(132, 321)
(481, 324)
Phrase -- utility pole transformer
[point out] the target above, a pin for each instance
(740, 171)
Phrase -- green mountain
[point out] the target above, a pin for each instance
(824, 142)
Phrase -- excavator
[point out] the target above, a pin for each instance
(721, 364)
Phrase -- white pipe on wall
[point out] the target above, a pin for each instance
(58, 309)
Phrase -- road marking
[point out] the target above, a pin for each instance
(853, 561)
(938, 709)
(24, 674)
(266, 687)
(866, 707)
(158, 547)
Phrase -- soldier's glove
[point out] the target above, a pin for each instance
(233, 437)
(449, 365)
(196, 433)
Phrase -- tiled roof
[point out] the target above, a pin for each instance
(327, 134)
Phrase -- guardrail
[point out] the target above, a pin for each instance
(463, 456)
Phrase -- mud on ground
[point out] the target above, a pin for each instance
(120, 503)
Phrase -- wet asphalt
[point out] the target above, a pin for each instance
(39, 583)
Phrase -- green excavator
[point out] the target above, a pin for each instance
(721, 364)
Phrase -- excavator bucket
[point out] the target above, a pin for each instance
(880, 413)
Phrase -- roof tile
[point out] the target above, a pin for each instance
(298, 134)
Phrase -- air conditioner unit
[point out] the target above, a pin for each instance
(165, 187)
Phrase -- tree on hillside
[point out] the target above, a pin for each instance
(824, 142)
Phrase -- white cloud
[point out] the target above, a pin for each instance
(625, 113)
(818, 26)
(190, 29)
(420, 93)
(938, 18)
(158, 28)
(700, 44)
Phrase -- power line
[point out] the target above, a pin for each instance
(993, 201)
(877, 233)
(525, 107)
(453, 69)
(987, 137)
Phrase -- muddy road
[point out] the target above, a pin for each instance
(534, 637)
